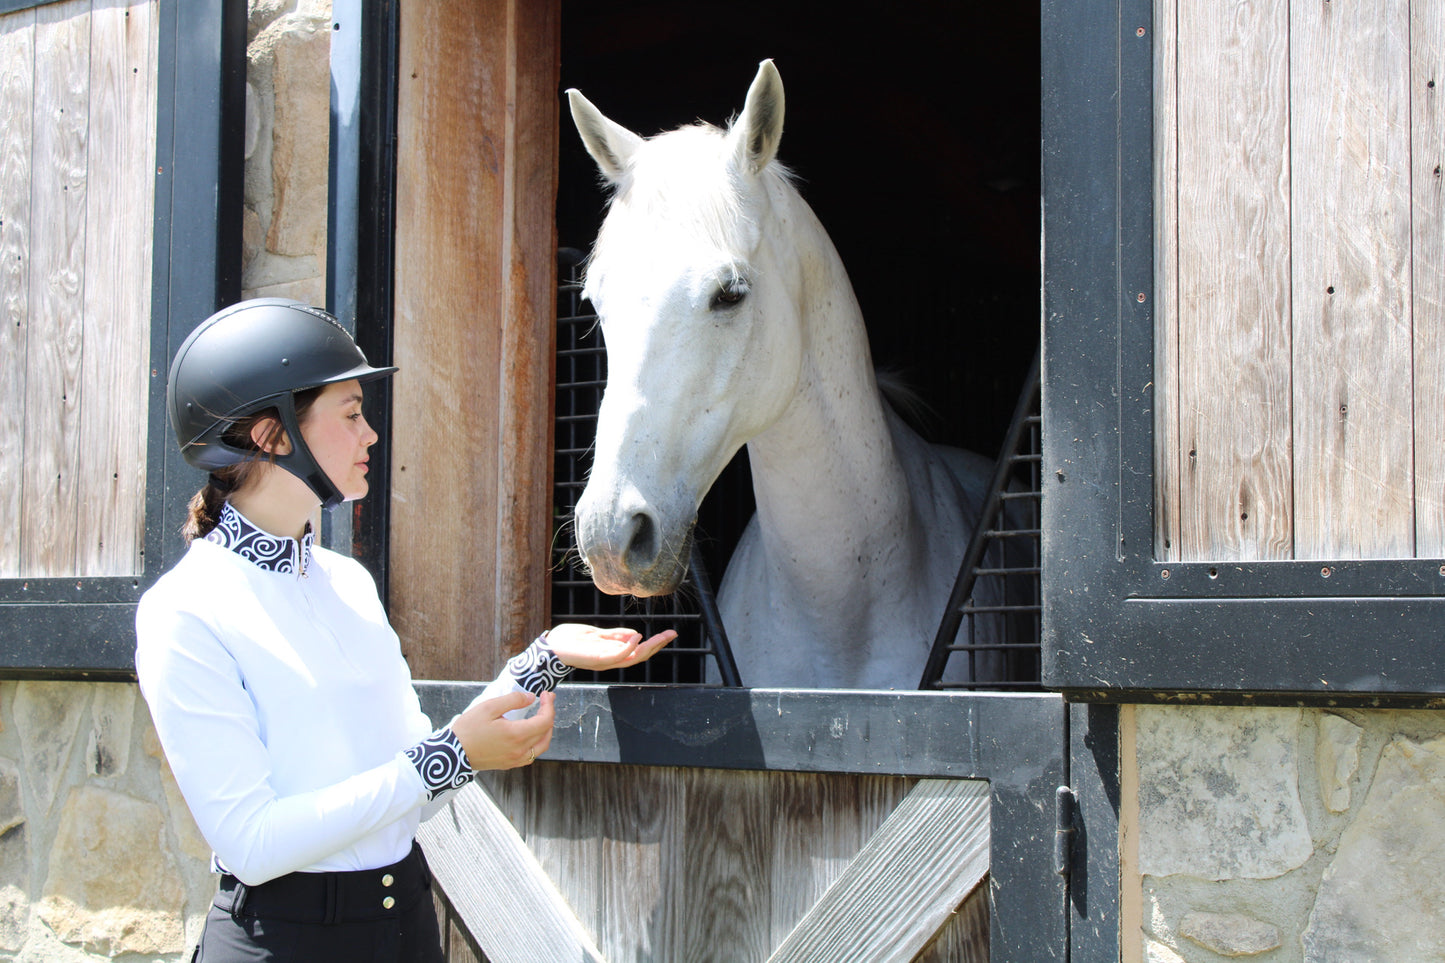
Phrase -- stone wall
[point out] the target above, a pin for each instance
(99, 857)
(1283, 835)
(288, 97)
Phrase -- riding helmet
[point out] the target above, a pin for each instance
(251, 356)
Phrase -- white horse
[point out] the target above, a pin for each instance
(729, 320)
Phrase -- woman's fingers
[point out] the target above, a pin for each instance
(492, 741)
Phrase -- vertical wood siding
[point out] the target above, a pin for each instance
(1299, 356)
(77, 159)
(474, 332)
(1427, 203)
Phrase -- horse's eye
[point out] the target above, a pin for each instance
(727, 297)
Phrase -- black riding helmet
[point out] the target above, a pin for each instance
(251, 356)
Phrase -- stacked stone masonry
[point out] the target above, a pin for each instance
(1290, 835)
(99, 857)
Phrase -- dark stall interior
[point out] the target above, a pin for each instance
(914, 132)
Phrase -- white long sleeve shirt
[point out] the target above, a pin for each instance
(285, 709)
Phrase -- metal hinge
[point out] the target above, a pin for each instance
(1065, 813)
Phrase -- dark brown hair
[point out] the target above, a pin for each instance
(204, 510)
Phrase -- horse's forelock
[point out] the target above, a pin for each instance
(685, 179)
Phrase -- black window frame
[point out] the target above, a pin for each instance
(84, 627)
(1120, 624)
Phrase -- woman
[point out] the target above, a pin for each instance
(276, 685)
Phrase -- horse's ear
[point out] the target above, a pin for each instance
(759, 128)
(609, 143)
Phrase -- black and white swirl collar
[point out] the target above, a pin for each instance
(274, 553)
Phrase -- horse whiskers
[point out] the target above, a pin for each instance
(572, 556)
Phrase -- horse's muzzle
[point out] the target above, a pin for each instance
(633, 554)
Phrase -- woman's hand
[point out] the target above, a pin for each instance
(588, 647)
(492, 742)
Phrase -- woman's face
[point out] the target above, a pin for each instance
(338, 436)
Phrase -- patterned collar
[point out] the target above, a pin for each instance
(274, 553)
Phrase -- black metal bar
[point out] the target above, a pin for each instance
(361, 244)
(978, 543)
(1092, 757)
(712, 621)
(75, 641)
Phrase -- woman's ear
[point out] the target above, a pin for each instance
(268, 435)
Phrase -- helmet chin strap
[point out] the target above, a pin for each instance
(300, 462)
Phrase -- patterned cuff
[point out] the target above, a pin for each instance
(442, 762)
(537, 669)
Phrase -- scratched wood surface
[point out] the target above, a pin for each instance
(116, 317)
(1349, 83)
(17, 85)
(1427, 204)
(57, 268)
(77, 135)
(1233, 315)
(1298, 345)
(474, 332)
(700, 865)
(920, 865)
(1166, 282)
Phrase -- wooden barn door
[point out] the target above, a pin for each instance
(1243, 343)
(689, 824)
(1300, 233)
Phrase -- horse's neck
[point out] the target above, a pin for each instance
(830, 485)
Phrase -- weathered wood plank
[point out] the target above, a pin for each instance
(560, 822)
(818, 832)
(906, 883)
(641, 833)
(821, 824)
(487, 872)
(1427, 193)
(443, 576)
(725, 871)
(115, 369)
(50, 508)
(456, 947)
(1233, 311)
(17, 77)
(648, 857)
(1350, 250)
(525, 392)
(476, 180)
(964, 938)
(1166, 282)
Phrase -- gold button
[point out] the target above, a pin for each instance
(388, 903)
(387, 880)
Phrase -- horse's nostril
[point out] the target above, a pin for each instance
(642, 546)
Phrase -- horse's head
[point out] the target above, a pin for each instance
(696, 289)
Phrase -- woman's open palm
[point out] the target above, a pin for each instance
(597, 649)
